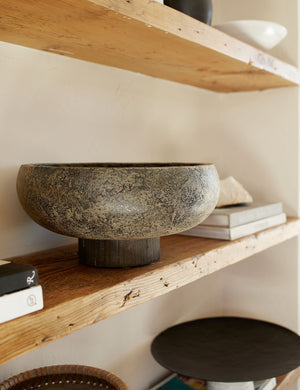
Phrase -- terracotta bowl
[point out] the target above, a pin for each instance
(123, 202)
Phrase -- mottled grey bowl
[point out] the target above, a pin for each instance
(118, 201)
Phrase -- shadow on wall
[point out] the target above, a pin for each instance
(18, 232)
(12, 214)
(189, 302)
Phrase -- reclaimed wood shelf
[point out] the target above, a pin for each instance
(145, 37)
(286, 382)
(76, 296)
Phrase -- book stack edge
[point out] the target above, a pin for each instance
(20, 292)
(174, 382)
(231, 223)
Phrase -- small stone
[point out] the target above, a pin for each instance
(232, 192)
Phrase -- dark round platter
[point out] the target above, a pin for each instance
(227, 349)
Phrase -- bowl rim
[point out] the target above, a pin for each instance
(63, 373)
(116, 165)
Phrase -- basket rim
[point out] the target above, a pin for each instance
(62, 370)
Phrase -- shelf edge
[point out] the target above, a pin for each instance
(144, 37)
(285, 382)
(156, 280)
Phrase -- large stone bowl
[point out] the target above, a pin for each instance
(118, 211)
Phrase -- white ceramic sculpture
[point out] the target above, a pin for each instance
(259, 33)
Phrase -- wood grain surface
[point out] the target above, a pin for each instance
(146, 37)
(286, 382)
(76, 296)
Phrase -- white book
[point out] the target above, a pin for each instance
(163, 382)
(233, 233)
(241, 214)
(268, 384)
(19, 303)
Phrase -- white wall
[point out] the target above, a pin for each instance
(56, 109)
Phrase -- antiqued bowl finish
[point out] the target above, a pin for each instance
(118, 201)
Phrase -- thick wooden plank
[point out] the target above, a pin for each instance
(286, 382)
(143, 36)
(77, 296)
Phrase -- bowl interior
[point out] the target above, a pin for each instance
(118, 165)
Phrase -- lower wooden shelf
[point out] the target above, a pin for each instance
(287, 381)
(76, 296)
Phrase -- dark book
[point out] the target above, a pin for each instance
(15, 277)
(174, 382)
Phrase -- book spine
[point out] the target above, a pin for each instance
(257, 226)
(221, 233)
(208, 232)
(14, 277)
(20, 303)
(240, 215)
(216, 220)
(255, 214)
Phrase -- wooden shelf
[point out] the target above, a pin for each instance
(286, 382)
(76, 296)
(146, 37)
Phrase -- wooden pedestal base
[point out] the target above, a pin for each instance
(119, 253)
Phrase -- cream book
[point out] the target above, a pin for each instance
(227, 233)
(241, 214)
(19, 303)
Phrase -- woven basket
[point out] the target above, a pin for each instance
(64, 377)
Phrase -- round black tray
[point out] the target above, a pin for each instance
(227, 349)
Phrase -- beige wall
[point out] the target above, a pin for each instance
(56, 109)
(263, 131)
(282, 12)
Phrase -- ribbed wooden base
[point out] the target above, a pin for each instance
(119, 253)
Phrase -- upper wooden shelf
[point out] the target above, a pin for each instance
(76, 296)
(146, 37)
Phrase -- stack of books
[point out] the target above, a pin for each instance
(20, 292)
(174, 382)
(230, 223)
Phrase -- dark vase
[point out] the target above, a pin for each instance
(198, 9)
